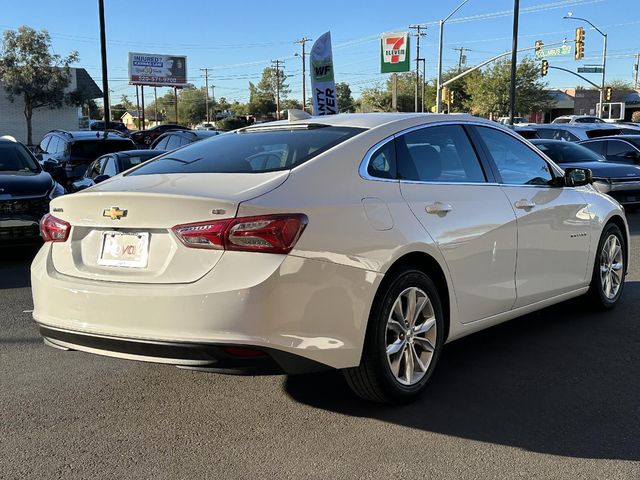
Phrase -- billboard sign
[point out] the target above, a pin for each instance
(394, 52)
(157, 70)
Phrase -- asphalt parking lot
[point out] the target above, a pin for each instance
(555, 394)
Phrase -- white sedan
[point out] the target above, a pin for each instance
(355, 242)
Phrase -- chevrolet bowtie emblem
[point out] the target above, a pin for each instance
(114, 213)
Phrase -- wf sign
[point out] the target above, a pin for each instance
(394, 52)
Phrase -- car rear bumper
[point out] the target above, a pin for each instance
(19, 228)
(312, 309)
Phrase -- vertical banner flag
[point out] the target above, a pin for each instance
(394, 52)
(322, 80)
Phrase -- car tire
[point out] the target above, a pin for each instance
(398, 360)
(607, 280)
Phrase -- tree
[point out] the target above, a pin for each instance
(262, 97)
(192, 105)
(29, 69)
(489, 92)
(345, 99)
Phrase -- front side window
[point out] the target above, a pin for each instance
(255, 150)
(16, 159)
(44, 143)
(517, 164)
(596, 147)
(173, 142)
(618, 151)
(438, 154)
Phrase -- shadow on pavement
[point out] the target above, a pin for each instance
(15, 261)
(562, 381)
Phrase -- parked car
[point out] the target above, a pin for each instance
(99, 125)
(578, 119)
(574, 132)
(25, 192)
(75, 150)
(179, 138)
(516, 120)
(526, 132)
(623, 149)
(370, 242)
(146, 137)
(111, 165)
(620, 181)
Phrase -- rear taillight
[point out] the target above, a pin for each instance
(53, 229)
(266, 233)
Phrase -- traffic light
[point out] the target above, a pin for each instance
(608, 94)
(539, 45)
(451, 97)
(544, 68)
(445, 94)
(579, 43)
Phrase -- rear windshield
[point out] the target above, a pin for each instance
(251, 151)
(603, 132)
(92, 149)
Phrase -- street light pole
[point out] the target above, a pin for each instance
(570, 16)
(514, 61)
(105, 80)
(440, 35)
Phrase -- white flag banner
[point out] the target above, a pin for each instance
(322, 80)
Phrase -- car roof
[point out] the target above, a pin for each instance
(132, 153)
(584, 126)
(88, 134)
(615, 137)
(371, 120)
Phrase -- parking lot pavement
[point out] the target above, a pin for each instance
(555, 394)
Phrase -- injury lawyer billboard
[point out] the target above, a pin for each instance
(157, 70)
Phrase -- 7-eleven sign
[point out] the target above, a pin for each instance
(394, 52)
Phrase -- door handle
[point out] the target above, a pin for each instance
(524, 204)
(438, 207)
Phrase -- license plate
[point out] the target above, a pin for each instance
(124, 249)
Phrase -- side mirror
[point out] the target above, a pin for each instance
(577, 177)
(101, 178)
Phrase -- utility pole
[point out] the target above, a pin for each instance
(302, 42)
(514, 62)
(461, 58)
(206, 90)
(277, 64)
(213, 102)
(635, 71)
(142, 100)
(175, 102)
(103, 54)
(424, 76)
(418, 34)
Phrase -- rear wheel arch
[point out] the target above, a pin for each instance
(429, 266)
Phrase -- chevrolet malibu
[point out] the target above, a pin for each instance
(354, 242)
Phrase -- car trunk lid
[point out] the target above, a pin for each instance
(138, 213)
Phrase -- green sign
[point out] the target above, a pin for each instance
(394, 52)
(553, 52)
(594, 69)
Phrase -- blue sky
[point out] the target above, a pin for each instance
(237, 39)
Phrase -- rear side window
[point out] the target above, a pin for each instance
(382, 163)
(250, 151)
(96, 148)
(173, 141)
(128, 162)
(438, 154)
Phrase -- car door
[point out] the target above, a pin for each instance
(466, 215)
(553, 220)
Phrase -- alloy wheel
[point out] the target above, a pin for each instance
(611, 267)
(411, 336)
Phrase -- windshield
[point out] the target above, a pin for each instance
(589, 120)
(562, 120)
(15, 158)
(250, 151)
(96, 148)
(566, 152)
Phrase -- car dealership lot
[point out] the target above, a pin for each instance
(554, 394)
